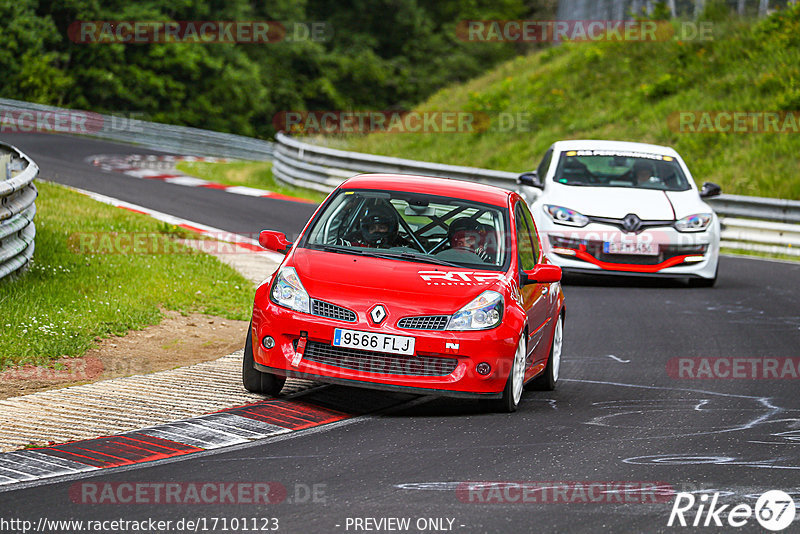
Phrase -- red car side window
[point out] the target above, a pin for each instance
(531, 228)
(525, 249)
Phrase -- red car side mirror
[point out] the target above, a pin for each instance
(542, 274)
(272, 240)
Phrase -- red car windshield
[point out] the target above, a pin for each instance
(416, 226)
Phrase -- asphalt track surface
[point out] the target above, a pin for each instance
(617, 414)
(62, 159)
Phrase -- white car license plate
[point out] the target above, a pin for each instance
(640, 248)
(354, 339)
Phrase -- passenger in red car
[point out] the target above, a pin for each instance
(469, 235)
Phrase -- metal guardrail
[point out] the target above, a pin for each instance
(17, 209)
(748, 223)
(27, 116)
(768, 209)
(757, 224)
(323, 168)
(760, 236)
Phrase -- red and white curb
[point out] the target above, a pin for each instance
(162, 168)
(225, 428)
(232, 426)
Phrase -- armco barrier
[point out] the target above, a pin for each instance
(748, 223)
(768, 209)
(27, 116)
(17, 208)
(322, 168)
(757, 224)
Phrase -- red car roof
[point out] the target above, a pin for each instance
(473, 191)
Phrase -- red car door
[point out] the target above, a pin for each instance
(535, 297)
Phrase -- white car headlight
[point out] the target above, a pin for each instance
(484, 312)
(289, 292)
(562, 215)
(694, 223)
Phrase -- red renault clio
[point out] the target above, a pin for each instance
(411, 283)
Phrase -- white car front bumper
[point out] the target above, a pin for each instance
(658, 251)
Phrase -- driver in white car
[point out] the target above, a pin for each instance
(643, 173)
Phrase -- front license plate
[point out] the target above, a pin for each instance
(353, 339)
(643, 249)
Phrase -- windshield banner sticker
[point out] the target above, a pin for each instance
(619, 153)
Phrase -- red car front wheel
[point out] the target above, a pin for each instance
(512, 394)
(549, 378)
(254, 380)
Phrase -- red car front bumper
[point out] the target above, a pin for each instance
(444, 362)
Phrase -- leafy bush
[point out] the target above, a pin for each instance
(629, 91)
(382, 54)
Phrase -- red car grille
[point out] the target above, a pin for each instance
(425, 322)
(332, 311)
(377, 362)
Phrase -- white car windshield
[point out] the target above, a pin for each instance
(412, 227)
(608, 168)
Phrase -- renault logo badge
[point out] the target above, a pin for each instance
(378, 314)
(631, 223)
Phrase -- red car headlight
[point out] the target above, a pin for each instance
(483, 313)
(289, 292)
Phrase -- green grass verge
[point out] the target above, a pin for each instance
(628, 91)
(67, 298)
(256, 174)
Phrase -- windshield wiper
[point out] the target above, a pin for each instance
(339, 250)
(407, 256)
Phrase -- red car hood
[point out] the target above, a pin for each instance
(408, 288)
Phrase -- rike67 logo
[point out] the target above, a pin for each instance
(774, 510)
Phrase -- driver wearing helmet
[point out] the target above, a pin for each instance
(376, 229)
(468, 235)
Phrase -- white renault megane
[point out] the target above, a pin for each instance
(623, 208)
